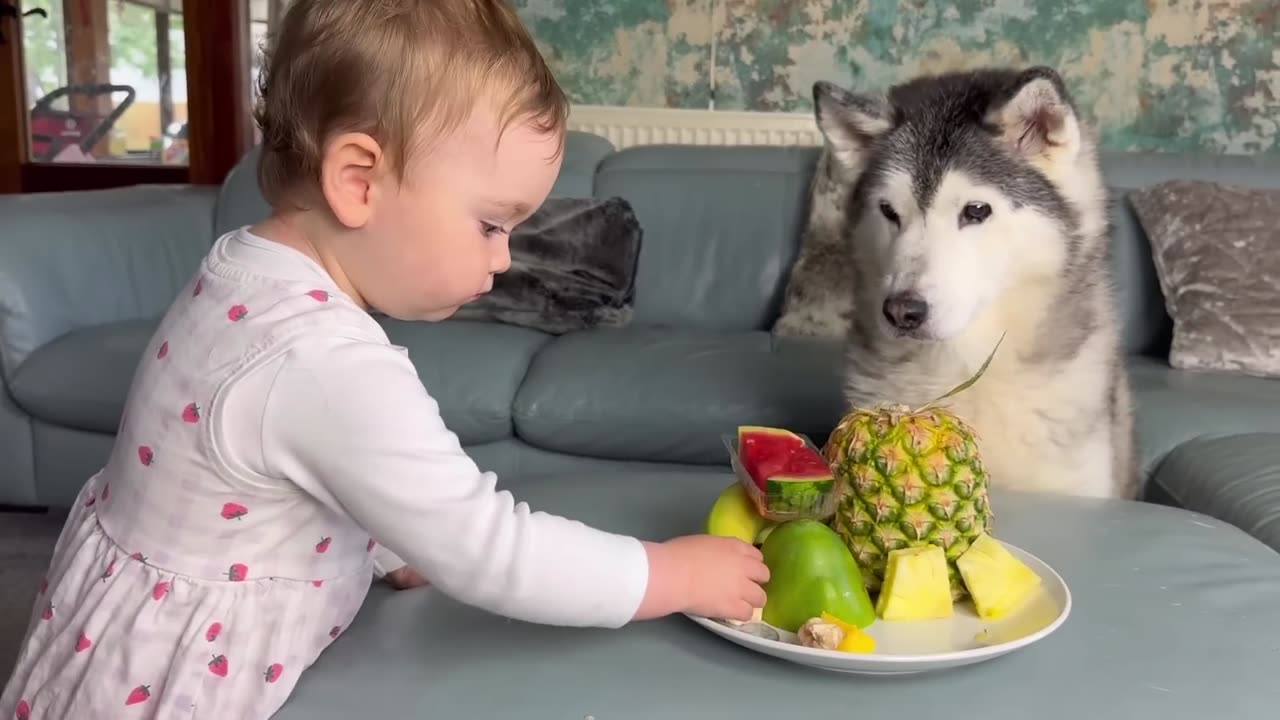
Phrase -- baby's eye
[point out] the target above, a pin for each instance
(490, 229)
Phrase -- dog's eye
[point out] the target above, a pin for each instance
(974, 213)
(887, 211)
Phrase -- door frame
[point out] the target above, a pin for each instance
(219, 128)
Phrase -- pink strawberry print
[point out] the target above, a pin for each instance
(23, 712)
(369, 547)
(160, 589)
(199, 287)
(139, 557)
(111, 569)
(213, 632)
(323, 546)
(138, 695)
(164, 350)
(237, 313)
(237, 572)
(319, 295)
(335, 631)
(145, 455)
(90, 501)
(234, 511)
(191, 413)
(218, 665)
(48, 612)
(273, 672)
(83, 643)
(317, 583)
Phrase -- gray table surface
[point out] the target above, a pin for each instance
(1175, 616)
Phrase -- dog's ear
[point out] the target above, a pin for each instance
(1035, 117)
(848, 121)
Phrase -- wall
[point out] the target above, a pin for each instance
(1166, 75)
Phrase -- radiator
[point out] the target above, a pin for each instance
(627, 126)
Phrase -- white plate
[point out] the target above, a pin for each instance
(922, 645)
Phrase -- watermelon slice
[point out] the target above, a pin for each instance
(790, 478)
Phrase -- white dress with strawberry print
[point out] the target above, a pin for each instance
(271, 433)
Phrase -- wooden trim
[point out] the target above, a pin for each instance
(60, 177)
(219, 125)
(13, 116)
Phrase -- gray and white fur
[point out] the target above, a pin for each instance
(976, 209)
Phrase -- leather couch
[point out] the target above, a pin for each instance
(84, 277)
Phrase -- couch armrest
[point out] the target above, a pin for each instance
(77, 259)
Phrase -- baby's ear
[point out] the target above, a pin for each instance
(850, 122)
(349, 173)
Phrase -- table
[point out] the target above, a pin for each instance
(1147, 583)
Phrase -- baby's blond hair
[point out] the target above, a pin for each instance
(403, 71)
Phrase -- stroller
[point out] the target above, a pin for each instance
(69, 133)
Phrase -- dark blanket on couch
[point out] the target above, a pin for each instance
(573, 267)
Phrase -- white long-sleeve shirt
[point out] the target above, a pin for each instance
(343, 416)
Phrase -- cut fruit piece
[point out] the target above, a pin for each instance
(915, 585)
(997, 581)
(789, 473)
(735, 515)
(855, 640)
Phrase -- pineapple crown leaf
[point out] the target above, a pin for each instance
(967, 383)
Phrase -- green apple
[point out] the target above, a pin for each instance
(734, 515)
(811, 571)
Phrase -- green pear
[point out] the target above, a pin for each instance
(734, 515)
(811, 571)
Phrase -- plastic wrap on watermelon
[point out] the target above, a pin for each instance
(783, 472)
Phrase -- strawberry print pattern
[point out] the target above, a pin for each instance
(190, 572)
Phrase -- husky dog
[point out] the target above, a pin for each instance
(977, 211)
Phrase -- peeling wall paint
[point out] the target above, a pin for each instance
(1166, 75)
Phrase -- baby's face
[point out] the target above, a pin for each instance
(436, 241)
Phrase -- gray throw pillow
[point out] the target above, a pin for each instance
(1217, 256)
(573, 267)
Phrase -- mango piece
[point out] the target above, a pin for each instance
(855, 640)
(915, 586)
(997, 581)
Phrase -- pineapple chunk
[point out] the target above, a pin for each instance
(997, 581)
(915, 586)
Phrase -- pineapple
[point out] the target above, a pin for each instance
(997, 581)
(915, 586)
(908, 478)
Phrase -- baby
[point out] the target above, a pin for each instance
(276, 451)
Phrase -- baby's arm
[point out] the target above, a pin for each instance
(350, 422)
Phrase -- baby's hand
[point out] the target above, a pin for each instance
(405, 578)
(705, 575)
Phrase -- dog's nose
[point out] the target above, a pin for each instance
(906, 310)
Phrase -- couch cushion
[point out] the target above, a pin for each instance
(668, 395)
(1234, 478)
(80, 380)
(1175, 406)
(721, 229)
(472, 369)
